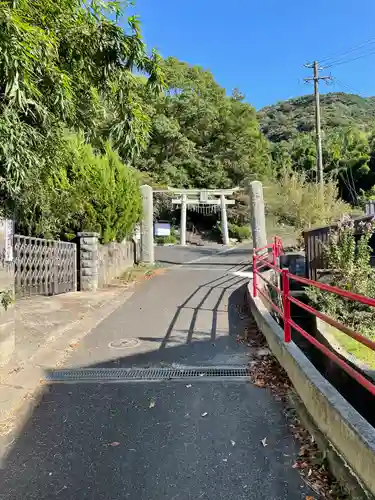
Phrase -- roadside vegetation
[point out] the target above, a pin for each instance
(349, 268)
(296, 202)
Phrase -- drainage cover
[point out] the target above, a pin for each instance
(107, 375)
(124, 343)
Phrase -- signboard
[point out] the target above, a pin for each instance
(137, 232)
(162, 229)
(203, 196)
(6, 239)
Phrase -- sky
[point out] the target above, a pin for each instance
(261, 46)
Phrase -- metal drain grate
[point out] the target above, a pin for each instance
(100, 375)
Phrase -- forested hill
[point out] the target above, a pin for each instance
(286, 119)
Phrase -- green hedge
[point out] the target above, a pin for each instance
(241, 233)
(81, 190)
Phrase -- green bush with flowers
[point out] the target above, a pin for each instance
(348, 255)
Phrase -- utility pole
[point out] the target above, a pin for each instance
(319, 153)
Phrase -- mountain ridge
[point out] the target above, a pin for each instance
(286, 119)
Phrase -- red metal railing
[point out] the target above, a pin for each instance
(268, 258)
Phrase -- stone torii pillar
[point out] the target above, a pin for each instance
(224, 220)
(199, 196)
(147, 225)
(183, 220)
(258, 217)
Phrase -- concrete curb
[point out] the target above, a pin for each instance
(348, 432)
(21, 391)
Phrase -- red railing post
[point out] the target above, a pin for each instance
(274, 252)
(286, 300)
(254, 273)
(278, 245)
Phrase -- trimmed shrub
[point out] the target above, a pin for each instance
(241, 233)
(81, 190)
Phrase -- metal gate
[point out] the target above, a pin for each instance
(44, 267)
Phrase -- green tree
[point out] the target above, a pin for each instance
(201, 137)
(67, 65)
(346, 156)
(65, 61)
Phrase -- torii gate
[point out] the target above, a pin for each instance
(202, 198)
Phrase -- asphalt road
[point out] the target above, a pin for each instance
(169, 256)
(166, 440)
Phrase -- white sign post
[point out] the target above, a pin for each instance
(9, 232)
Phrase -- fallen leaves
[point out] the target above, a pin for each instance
(259, 382)
(266, 372)
(300, 465)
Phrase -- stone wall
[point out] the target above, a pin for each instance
(113, 260)
(88, 261)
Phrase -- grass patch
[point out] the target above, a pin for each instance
(344, 344)
(140, 272)
(290, 235)
(359, 351)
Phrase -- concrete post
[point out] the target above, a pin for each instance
(183, 220)
(258, 217)
(224, 220)
(88, 261)
(147, 226)
(8, 313)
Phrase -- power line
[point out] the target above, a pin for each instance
(345, 61)
(350, 51)
(342, 84)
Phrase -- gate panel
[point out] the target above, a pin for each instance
(44, 267)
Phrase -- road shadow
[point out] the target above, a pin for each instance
(178, 255)
(194, 346)
(224, 283)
